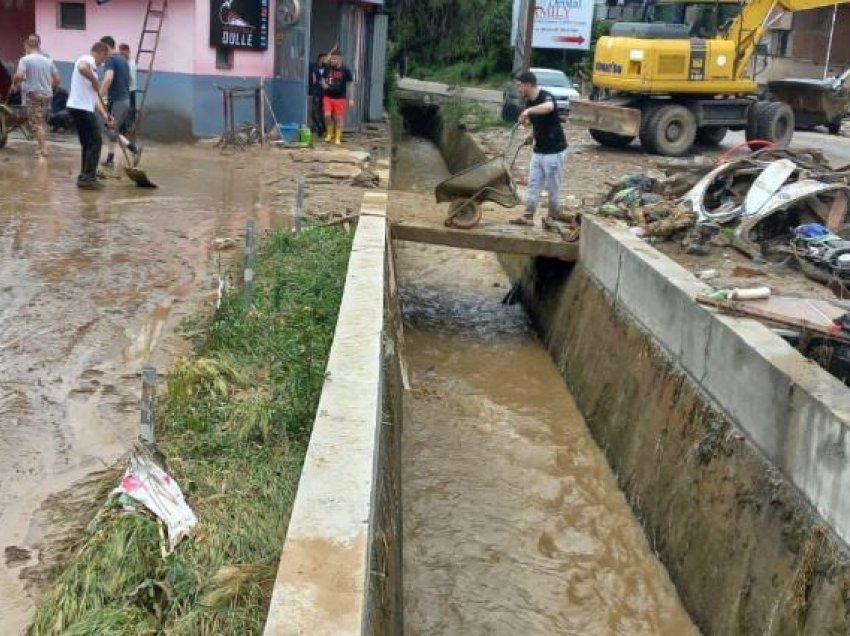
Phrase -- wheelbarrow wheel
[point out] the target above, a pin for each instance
(464, 214)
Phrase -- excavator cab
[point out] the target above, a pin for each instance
(703, 19)
(678, 48)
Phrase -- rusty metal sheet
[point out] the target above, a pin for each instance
(605, 116)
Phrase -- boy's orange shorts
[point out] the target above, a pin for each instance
(335, 107)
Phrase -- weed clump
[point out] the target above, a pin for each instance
(233, 428)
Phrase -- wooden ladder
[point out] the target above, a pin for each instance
(146, 54)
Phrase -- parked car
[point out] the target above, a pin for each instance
(551, 80)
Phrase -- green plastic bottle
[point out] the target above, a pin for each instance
(305, 136)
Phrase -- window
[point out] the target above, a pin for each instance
(72, 15)
(780, 43)
(224, 59)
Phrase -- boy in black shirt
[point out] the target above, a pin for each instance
(336, 80)
(550, 148)
(317, 108)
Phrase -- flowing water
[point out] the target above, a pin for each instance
(513, 521)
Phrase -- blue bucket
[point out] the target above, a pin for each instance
(289, 132)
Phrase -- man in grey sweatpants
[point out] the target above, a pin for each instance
(550, 148)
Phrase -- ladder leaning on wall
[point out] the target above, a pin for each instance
(146, 54)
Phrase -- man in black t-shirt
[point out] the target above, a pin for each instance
(550, 148)
(336, 80)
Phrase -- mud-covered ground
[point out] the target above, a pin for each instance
(92, 287)
(592, 169)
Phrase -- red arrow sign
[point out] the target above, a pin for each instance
(570, 39)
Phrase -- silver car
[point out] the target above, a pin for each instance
(550, 80)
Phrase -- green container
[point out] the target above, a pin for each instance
(305, 136)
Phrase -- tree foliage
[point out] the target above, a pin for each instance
(445, 33)
(468, 41)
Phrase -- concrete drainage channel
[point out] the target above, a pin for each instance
(728, 445)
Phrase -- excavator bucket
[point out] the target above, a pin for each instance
(606, 116)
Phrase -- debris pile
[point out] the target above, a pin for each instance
(644, 200)
(762, 198)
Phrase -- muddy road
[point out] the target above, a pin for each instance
(92, 285)
(513, 521)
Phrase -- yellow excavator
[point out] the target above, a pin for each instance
(686, 75)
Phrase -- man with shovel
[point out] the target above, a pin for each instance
(116, 88)
(83, 102)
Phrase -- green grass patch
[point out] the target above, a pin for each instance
(471, 115)
(233, 427)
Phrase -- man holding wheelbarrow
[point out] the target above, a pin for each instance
(550, 148)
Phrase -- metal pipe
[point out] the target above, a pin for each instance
(829, 46)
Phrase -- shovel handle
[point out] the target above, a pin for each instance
(117, 134)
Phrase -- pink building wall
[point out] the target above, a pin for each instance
(184, 44)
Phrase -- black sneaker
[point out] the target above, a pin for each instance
(109, 163)
(86, 184)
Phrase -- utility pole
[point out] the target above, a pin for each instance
(525, 35)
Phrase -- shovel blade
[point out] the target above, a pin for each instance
(139, 177)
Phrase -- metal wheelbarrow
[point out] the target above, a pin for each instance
(12, 117)
(487, 181)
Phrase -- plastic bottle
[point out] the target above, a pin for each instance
(755, 293)
(305, 136)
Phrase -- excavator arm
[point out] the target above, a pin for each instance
(751, 25)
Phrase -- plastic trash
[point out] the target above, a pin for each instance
(753, 293)
(156, 490)
(305, 136)
(707, 274)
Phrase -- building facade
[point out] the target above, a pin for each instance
(807, 44)
(268, 41)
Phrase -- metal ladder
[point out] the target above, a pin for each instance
(148, 45)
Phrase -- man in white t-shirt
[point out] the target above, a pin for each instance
(83, 101)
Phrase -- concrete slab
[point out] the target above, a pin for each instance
(374, 204)
(601, 254)
(416, 217)
(438, 93)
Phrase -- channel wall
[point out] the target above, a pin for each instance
(340, 569)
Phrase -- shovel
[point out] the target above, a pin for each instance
(136, 175)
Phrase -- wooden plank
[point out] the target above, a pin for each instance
(809, 314)
(490, 237)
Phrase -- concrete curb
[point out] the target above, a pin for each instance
(796, 413)
(322, 581)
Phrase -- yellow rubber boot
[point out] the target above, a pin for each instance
(338, 136)
(329, 135)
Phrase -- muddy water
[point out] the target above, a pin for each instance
(513, 522)
(91, 287)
